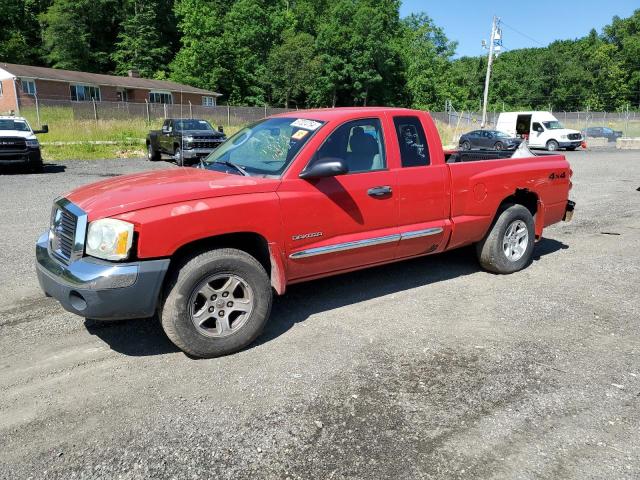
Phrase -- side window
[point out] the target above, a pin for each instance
(358, 143)
(414, 151)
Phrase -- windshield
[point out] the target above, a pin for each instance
(11, 124)
(266, 147)
(555, 125)
(192, 125)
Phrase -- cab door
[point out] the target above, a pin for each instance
(344, 222)
(423, 188)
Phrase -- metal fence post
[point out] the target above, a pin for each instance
(146, 103)
(265, 109)
(165, 110)
(95, 110)
(38, 110)
(228, 115)
(190, 110)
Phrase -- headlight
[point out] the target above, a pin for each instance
(109, 239)
(188, 138)
(33, 143)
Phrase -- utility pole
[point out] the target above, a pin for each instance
(495, 45)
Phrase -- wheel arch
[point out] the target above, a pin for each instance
(528, 199)
(255, 244)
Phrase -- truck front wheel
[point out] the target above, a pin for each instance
(216, 303)
(508, 247)
(552, 145)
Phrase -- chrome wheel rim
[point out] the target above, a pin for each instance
(220, 305)
(516, 240)
(553, 146)
(178, 155)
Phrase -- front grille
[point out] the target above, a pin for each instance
(206, 142)
(8, 144)
(574, 136)
(68, 224)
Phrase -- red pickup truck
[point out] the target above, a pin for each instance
(291, 198)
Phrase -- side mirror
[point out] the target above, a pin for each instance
(325, 167)
(166, 129)
(220, 129)
(539, 129)
(43, 129)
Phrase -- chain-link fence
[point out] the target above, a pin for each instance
(151, 112)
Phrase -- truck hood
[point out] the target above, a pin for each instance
(161, 187)
(203, 133)
(17, 133)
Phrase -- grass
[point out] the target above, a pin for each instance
(128, 135)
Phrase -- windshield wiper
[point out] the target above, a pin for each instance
(236, 167)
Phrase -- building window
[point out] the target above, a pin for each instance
(208, 101)
(160, 97)
(28, 86)
(84, 93)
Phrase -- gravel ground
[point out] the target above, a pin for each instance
(426, 369)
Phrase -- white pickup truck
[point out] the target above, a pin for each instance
(18, 143)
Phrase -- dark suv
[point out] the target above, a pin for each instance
(185, 139)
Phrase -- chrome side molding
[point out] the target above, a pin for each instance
(420, 233)
(339, 247)
(369, 242)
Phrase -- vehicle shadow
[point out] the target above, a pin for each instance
(21, 170)
(145, 337)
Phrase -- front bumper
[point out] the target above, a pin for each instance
(101, 290)
(191, 153)
(31, 155)
(570, 143)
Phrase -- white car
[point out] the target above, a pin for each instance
(18, 143)
(542, 129)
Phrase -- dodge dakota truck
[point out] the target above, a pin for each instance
(288, 199)
(186, 140)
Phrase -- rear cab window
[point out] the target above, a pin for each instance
(414, 150)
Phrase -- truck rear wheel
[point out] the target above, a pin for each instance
(152, 154)
(216, 303)
(508, 247)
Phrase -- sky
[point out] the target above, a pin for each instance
(530, 23)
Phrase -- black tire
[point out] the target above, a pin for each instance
(36, 167)
(177, 155)
(465, 145)
(185, 280)
(152, 154)
(552, 145)
(490, 251)
(499, 146)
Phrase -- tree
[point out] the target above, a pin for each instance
(66, 36)
(139, 44)
(426, 54)
(292, 68)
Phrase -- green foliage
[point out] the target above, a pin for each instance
(139, 44)
(312, 53)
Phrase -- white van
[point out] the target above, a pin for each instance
(542, 129)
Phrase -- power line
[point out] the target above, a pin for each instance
(523, 34)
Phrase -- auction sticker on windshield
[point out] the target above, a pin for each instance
(306, 124)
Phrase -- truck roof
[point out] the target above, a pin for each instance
(11, 117)
(328, 114)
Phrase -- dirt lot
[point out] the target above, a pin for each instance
(425, 369)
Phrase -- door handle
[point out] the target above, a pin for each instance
(379, 191)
